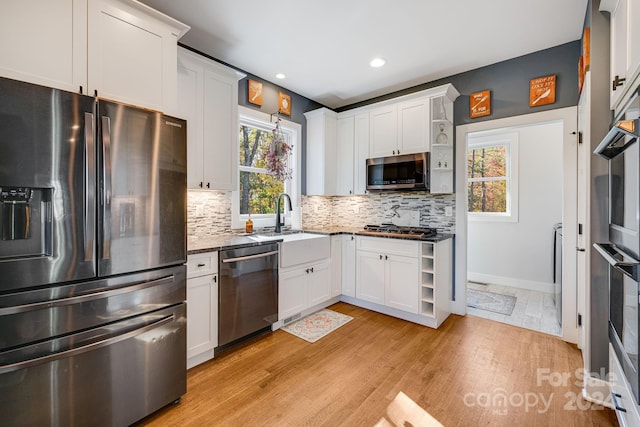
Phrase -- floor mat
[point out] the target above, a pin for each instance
(491, 301)
(317, 325)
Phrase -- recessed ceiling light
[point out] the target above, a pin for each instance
(280, 76)
(377, 62)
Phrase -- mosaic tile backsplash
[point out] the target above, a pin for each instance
(209, 212)
(357, 211)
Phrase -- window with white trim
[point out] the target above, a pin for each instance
(257, 188)
(492, 186)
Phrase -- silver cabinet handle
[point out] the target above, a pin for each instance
(90, 190)
(248, 257)
(106, 207)
(85, 348)
(614, 397)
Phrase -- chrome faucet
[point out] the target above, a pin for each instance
(278, 222)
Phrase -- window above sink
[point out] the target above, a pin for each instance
(257, 189)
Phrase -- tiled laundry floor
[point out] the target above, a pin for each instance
(533, 310)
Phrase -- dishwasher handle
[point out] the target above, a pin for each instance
(248, 257)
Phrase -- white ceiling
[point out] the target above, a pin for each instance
(324, 47)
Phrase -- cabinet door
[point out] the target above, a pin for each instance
(349, 266)
(402, 287)
(131, 56)
(292, 292)
(45, 42)
(413, 126)
(202, 314)
(336, 265)
(370, 276)
(633, 38)
(618, 50)
(220, 130)
(190, 108)
(383, 137)
(319, 284)
(361, 153)
(344, 153)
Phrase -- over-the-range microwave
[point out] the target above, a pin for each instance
(404, 172)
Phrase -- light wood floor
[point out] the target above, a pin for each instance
(457, 373)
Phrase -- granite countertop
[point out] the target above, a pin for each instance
(231, 241)
(222, 241)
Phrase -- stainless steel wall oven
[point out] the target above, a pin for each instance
(622, 252)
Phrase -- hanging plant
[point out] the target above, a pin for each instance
(278, 155)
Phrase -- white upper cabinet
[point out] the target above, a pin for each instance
(321, 152)
(132, 53)
(413, 126)
(208, 100)
(401, 128)
(625, 47)
(383, 136)
(45, 42)
(633, 38)
(121, 49)
(344, 156)
(361, 152)
(338, 145)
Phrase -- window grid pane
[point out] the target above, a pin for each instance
(487, 173)
(258, 192)
(488, 196)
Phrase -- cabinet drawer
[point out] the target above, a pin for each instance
(623, 391)
(389, 246)
(202, 264)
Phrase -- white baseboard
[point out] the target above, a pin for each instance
(512, 282)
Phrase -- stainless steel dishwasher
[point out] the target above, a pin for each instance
(248, 291)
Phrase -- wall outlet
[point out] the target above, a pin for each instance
(448, 211)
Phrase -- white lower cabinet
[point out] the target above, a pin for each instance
(370, 276)
(319, 284)
(627, 410)
(303, 286)
(387, 272)
(336, 265)
(202, 307)
(407, 279)
(292, 292)
(348, 256)
(401, 283)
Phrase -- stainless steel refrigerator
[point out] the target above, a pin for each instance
(92, 254)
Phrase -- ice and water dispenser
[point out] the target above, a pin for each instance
(25, 222)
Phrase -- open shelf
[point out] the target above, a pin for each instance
(426, 308)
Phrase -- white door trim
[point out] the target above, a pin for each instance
(569, 208)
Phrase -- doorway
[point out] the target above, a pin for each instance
(508, 250)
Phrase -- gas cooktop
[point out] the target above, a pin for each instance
(401, 231)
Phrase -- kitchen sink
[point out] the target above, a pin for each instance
(297, 247)
(283, 235)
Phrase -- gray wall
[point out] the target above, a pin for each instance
(509, 83)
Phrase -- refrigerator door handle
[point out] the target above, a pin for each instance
(90, 187)
(106, 197)
(101, 294)
(83, 349)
